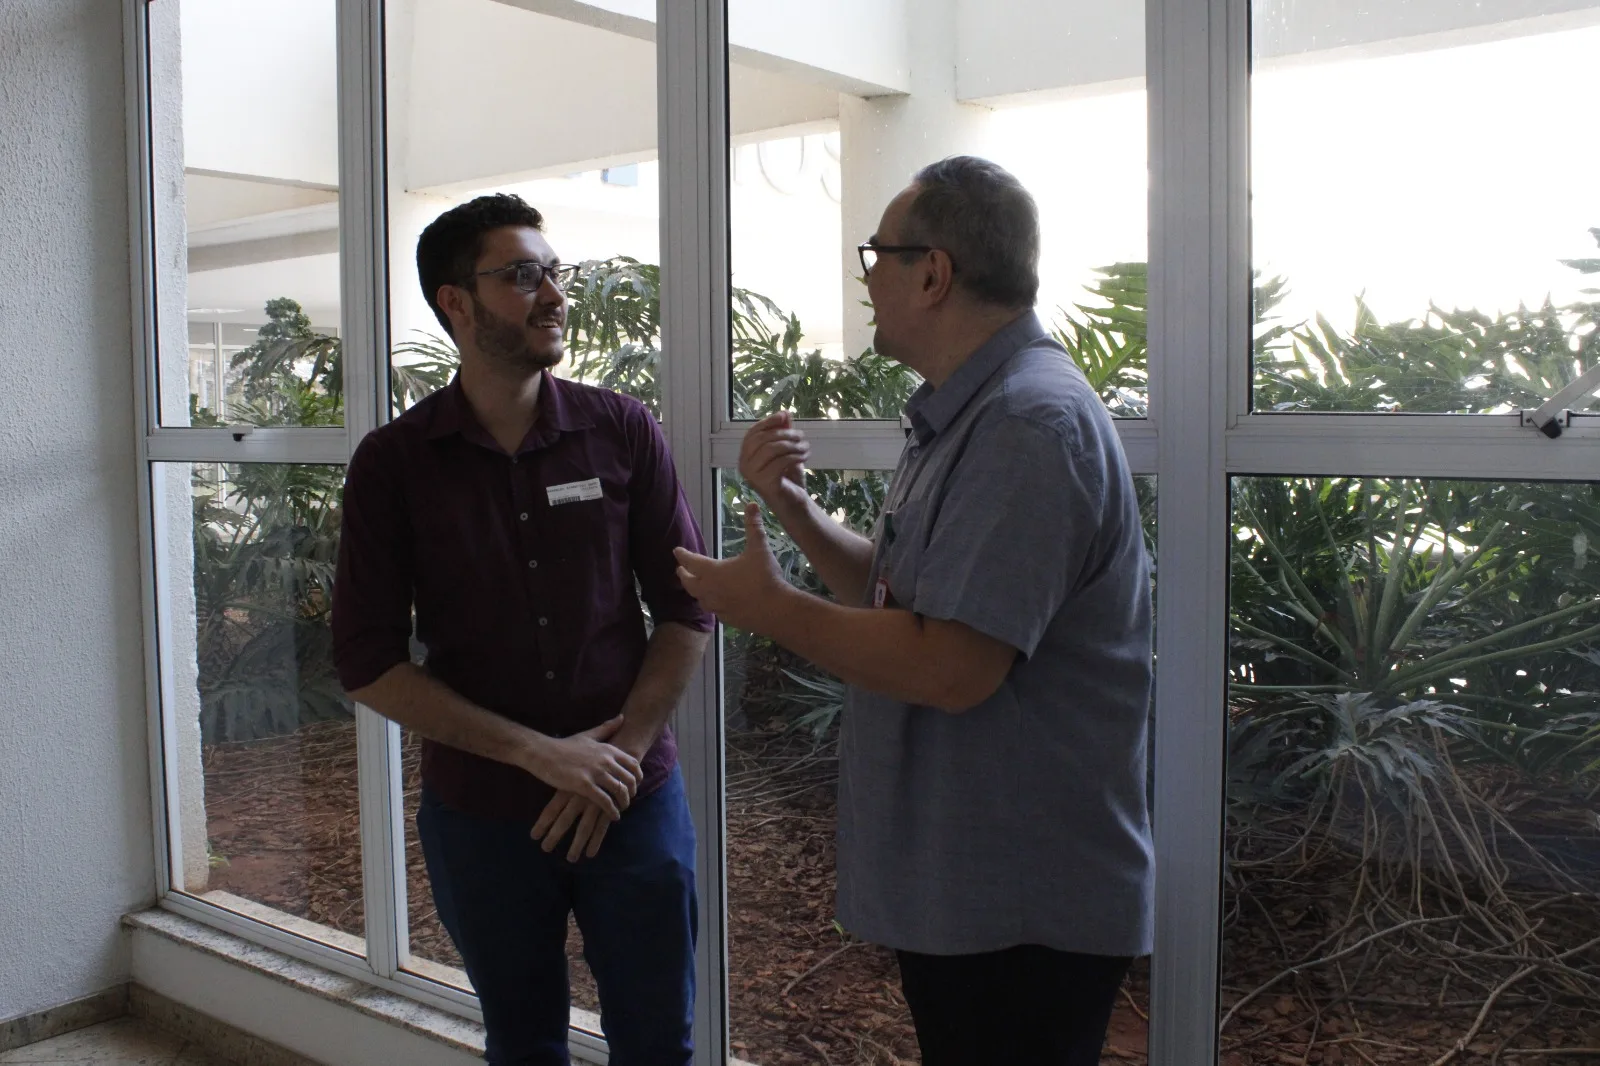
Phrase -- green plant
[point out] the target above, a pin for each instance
(265, 545)
(1448, 361)
(1405, 590)
(265, 538)
(1109, 339)
(292, 375)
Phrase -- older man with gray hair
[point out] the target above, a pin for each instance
(994, 632)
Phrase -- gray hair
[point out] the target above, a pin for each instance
(988, 223)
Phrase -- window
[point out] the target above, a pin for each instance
(832, 113)
(1414, 226)
(1411, 720)
(1290, 210)
(263, 819)
(584, 158)
(245, 131)
(265, 774)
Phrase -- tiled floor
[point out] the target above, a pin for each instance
(124, 1042)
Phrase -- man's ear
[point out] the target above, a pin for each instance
(455, 304)
(938, 275)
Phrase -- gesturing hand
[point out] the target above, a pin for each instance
(740, 590)
(772, 460)
(557, 819)
(585, 765)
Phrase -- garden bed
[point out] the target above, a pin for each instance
(284, 827)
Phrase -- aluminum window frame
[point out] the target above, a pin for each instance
(363, 329)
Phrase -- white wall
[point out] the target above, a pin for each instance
(75, 843)
(1013, 48)
(259, 88)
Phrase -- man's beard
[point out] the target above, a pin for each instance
(504, 343)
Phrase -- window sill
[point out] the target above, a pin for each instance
(304, 1008)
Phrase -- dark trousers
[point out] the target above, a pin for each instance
(505, 903)
(1024, 1006)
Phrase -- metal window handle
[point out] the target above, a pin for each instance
(1553, 415)
(241, 432)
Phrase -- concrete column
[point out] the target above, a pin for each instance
(885, 139)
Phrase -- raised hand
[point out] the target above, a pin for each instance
(772, 460)
(739, 590)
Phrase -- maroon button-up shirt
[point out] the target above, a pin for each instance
(520, 568)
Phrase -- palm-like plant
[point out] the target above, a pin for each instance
(1450, 361)
(1404, 590)
(1109, 338)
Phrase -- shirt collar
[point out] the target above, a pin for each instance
(932, 410)
(558, 413)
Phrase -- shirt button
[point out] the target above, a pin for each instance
(549, 675)
(533, 564)
(544, 621)
(523, 516)
(513, 460)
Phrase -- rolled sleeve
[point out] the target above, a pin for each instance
(373, 585)
(1013, 531)
(659, 520)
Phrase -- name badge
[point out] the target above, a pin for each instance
(574, 492)
(880, 591)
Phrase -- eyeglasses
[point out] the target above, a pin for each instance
(869, 252)
(529, 274)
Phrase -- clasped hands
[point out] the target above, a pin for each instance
(595, 781)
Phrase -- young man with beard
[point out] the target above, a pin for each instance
(510, 515)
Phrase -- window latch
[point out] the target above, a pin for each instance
(241, 432)
(1555, 414)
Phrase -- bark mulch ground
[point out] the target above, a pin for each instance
(283, 829)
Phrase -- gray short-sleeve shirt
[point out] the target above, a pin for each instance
(1024, 819)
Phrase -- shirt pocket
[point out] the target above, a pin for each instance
(591, 538)
(902, 557)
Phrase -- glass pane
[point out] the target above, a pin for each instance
(586, 160)
(1422, 211)
(1413, 717)
(265, 745)
(801, 989)
(782, 772)
(433, 955)
(246, 162)
(831, 114)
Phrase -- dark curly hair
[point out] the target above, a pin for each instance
(448, 249)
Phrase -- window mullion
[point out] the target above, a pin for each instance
(364, 330)
(692, 102)
(1199, 323)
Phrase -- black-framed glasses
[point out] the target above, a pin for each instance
(529, 274)
(869, 252)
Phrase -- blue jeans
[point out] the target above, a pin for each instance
(505, 903)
